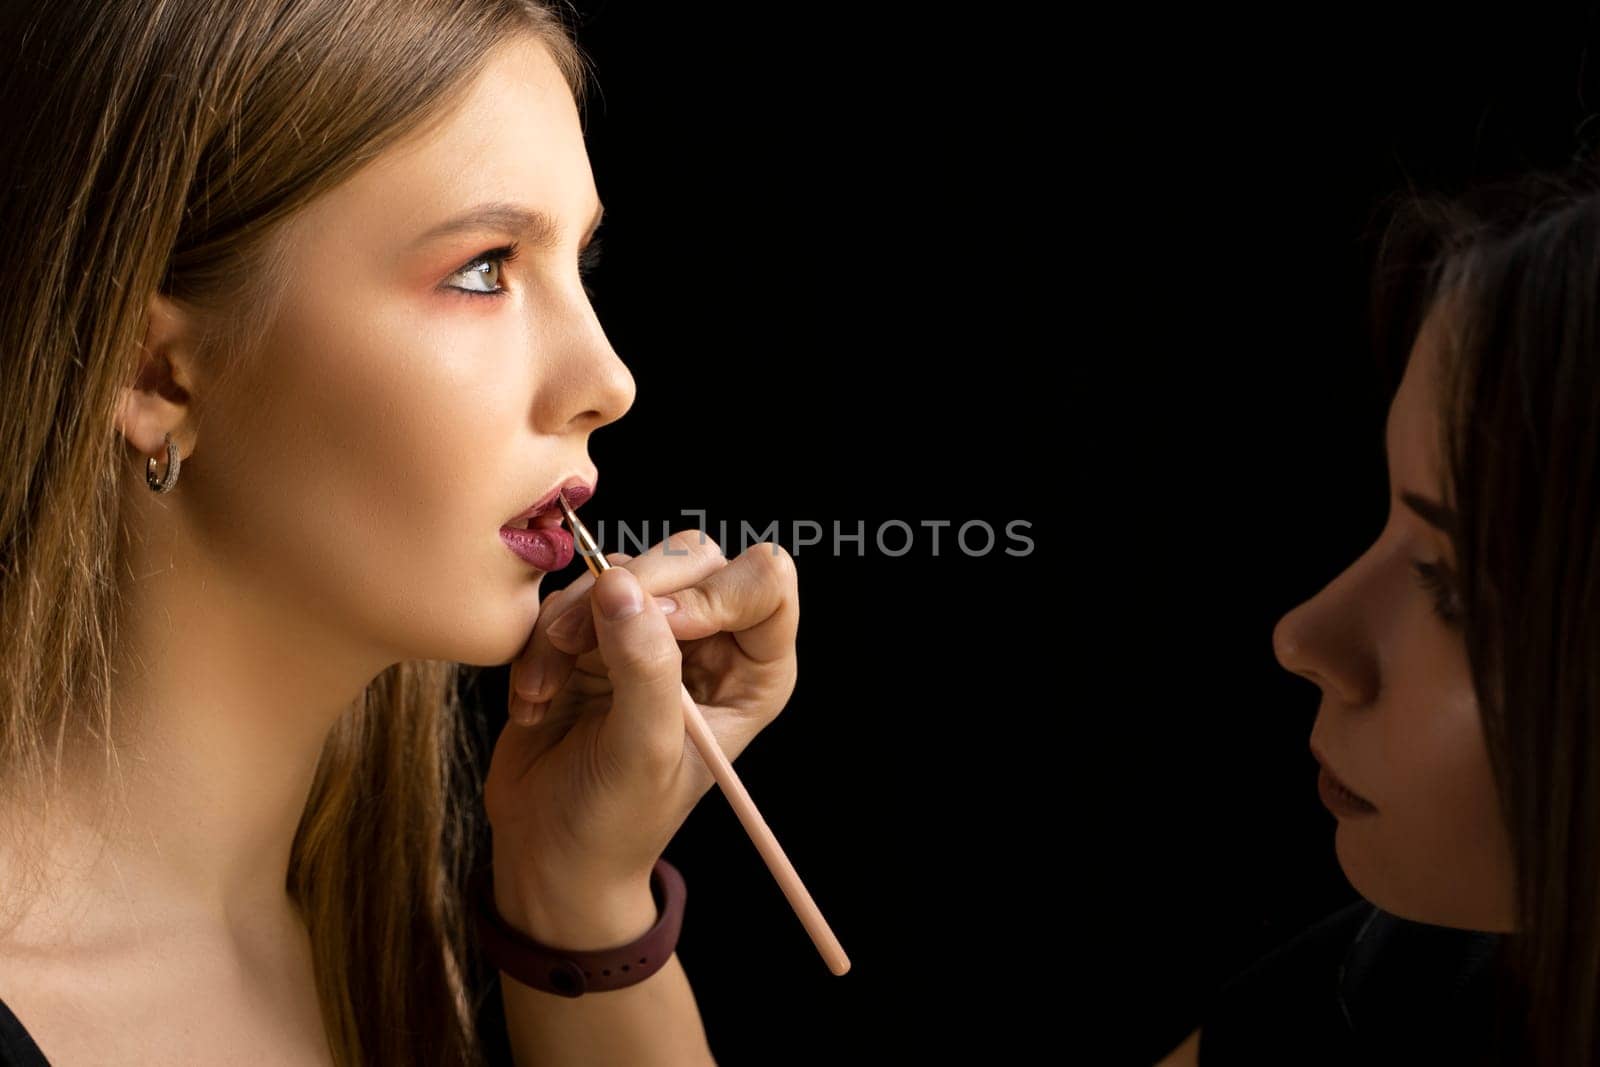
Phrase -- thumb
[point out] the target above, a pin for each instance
(643, 733)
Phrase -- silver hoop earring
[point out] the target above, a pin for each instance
(163, 485)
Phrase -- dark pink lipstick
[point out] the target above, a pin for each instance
(536, 535)
(577, 491)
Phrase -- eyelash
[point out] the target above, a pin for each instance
(1434, 581)
(588, 261)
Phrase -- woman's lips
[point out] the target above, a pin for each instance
(576, 490)
(544, 542)
(548, 548)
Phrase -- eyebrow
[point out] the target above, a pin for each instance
(1434, 513)
(537, 228)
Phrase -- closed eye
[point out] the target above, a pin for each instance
(1446, 604)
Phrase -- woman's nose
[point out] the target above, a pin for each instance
(613, 387)
(593, 385)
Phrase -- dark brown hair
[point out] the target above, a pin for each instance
(160, 146)
(1515, 264)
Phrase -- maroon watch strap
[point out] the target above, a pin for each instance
(573, 972)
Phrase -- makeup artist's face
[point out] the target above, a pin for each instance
(399, 416)
(1398, 720)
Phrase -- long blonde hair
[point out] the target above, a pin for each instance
(158, 145)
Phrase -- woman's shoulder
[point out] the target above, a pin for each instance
(1359, 985)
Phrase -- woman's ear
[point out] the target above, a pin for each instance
(159, 400)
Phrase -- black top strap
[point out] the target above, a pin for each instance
(17, 1048)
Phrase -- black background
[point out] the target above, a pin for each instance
(809, 265)
(1105, 276)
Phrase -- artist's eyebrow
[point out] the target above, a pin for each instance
(535, 227)
(1434, 513)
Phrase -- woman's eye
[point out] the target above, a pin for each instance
(496, 258)
(1433, 579)
(488, 266)
(588, 262)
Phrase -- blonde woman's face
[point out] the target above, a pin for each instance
(413, 396)
(1399, 721)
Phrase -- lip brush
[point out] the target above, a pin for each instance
(767, 844)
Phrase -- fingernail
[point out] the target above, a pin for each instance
(666, 604)
(531, 680)
(620, 597)
(566, 628)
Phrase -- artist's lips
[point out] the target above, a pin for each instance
(1336, 794)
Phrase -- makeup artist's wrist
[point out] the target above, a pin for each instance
(563, 913)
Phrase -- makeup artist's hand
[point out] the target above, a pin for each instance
(583, 802)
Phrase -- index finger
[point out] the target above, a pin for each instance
(755, 598)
